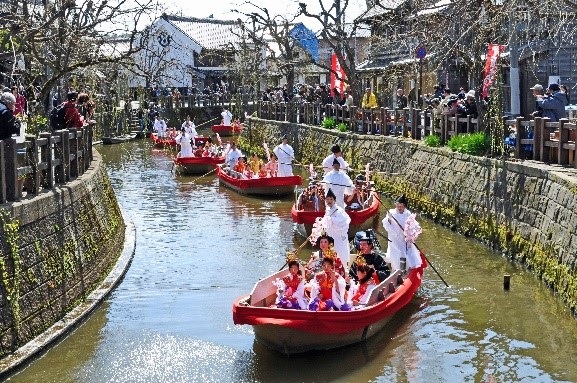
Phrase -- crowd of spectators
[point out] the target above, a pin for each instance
(319, 93)
(17, 103)
(218, 91)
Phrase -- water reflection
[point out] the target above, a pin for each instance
(200, 246)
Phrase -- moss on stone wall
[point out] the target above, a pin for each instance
(50, 265)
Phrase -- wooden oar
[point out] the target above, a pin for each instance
(295, 251)
(197, 178)
(204, 123)
(424, 255)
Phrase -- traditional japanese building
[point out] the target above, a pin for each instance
(186, 52)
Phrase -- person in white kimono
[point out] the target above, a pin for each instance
(226, 117)
(285, 155)
(400, 246)
(183, 139)
(337, 221)
(336, 154)
(339, 182)
(189, 127)
(160, 126)
(233, 155)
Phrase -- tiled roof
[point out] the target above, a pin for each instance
(360, 32)
(114, 48)
(437, 7)
(383, 7)
(209, 33)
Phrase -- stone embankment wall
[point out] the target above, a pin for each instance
(527, 210)
(54, 250)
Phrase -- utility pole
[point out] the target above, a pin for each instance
(514, 68)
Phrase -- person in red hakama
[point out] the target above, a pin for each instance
(293, 295)
(328, 291)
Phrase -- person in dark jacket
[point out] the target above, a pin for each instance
(554, 105)
(468, 107)
(371, 258)
(566, 92)
(9, 124)
(402, 101)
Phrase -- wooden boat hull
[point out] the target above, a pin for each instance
(360, 219)
(274, 186)
(300, 331)
(226, 131)
(163, 143)
(196, 165)
(117, 139)
(289, 342)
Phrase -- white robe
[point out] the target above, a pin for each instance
(298, 294)
(364, 299)
(226, 118)
(339, 183)
(285, 154)
(160, 127)
(398, 247)
(185, 147)
(337, 225)
(338, 298)
(190, 129)
(328, 163)
(232, 157)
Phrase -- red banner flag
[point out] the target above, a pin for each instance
(493, 54)
(337, 81)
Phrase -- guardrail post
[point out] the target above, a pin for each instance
(405, 132)
(11, 170)
(32, 159)
(469, 123)
(80, 139)
(73, 153)
(66, 153)
(444, 128)
(414, 124)
(519, 135)
(353, 119)
(386, 131)
(2, 174)
(46, 157)
(543, 135)
(59, 155)
(562, 153)
(426, 121)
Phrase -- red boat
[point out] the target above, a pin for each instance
(273, 186)
(304, 215)
(170, 142)
(227, 130)
(165, 142)
(297, 331)
(196, 165)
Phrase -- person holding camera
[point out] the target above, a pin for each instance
(554, 104)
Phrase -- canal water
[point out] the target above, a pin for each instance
(200, 246)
